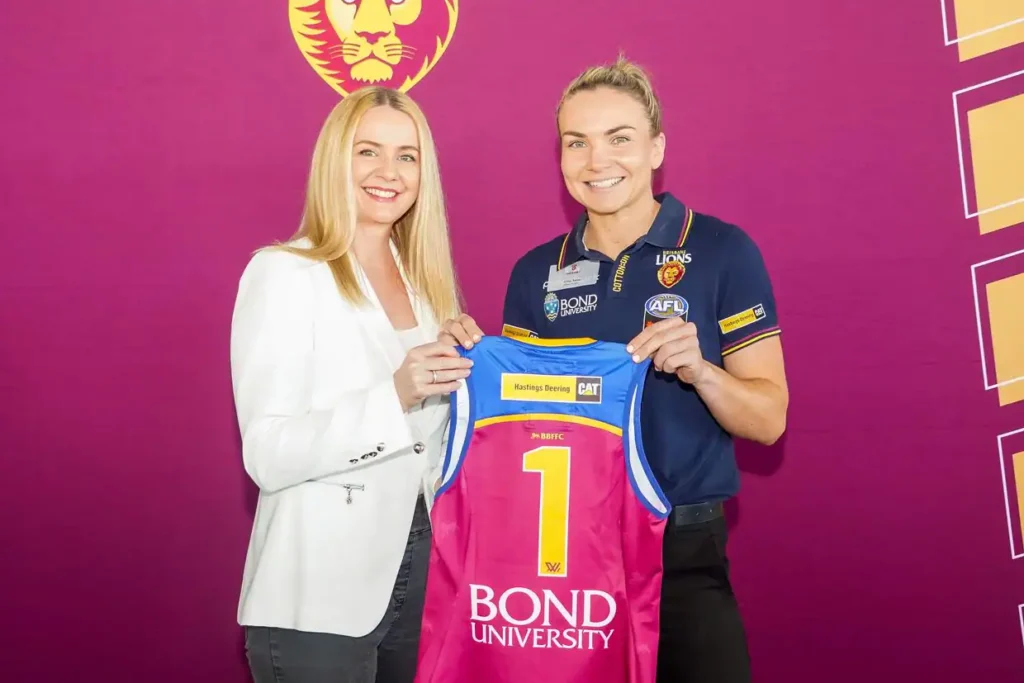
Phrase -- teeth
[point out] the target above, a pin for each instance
(385, 194)
(605, 183)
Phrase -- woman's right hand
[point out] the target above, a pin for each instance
(429, 370)
(462, 330)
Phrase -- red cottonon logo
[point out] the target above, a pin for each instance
(356, 43)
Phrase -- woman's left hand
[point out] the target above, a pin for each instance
(462, 330)
(672, 346)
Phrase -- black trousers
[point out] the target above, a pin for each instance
(702, 635)
(386, 655)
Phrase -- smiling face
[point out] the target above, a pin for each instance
(608, 153)
(385, 165)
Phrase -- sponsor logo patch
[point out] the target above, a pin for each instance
(555, 306)
(588, 389)
(620, 273)
(574, 305)
(663, 306)
(742, 319)
(520, 332)
(550, 388)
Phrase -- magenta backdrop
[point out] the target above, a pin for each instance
(153, 145)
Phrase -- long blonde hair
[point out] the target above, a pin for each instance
(329, 216)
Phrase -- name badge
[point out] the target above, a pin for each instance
(579, 274)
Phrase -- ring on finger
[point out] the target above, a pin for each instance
(433, 376)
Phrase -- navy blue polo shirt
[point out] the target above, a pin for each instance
(688, 264)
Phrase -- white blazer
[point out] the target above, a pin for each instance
(338, 463)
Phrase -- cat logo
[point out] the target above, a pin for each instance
(372, 42)
(588, 389)
(663, 306)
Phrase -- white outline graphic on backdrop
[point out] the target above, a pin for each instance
(1014, 554)
(977, 319)
(960, 39)
(960, 145)
(1020, 608)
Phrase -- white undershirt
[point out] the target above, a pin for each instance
(410, 337)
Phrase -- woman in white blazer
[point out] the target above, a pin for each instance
(340, 390)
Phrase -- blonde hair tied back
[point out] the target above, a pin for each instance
(624, 76)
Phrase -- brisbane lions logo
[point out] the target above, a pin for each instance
(355, 43)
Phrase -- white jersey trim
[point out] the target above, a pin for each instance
(458, 435)
(640, 476)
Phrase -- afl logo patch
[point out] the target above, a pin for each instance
(551, 306)
(663, 306)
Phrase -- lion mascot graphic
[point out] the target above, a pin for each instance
(355, 43)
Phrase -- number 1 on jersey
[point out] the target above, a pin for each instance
(552, 463)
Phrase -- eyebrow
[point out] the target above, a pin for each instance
(374, 144)
(610, 131)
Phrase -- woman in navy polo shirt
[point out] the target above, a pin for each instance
(687, 290)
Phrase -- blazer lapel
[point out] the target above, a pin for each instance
(376, 320)
(428, 415)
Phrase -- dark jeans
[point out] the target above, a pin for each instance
(702, 635)
(386, 655)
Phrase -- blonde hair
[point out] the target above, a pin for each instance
(624, 76)
(329, 216)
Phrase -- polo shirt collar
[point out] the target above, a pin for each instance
(669, 231)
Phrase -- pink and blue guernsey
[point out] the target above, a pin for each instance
(546, 562)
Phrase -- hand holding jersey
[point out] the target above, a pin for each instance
(673, 347)
(429, 370)
(462, 330)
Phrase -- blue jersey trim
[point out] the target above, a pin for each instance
(466, 415)
(632, 435)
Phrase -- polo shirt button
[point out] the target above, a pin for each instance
(418, 447)
(380, 447)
